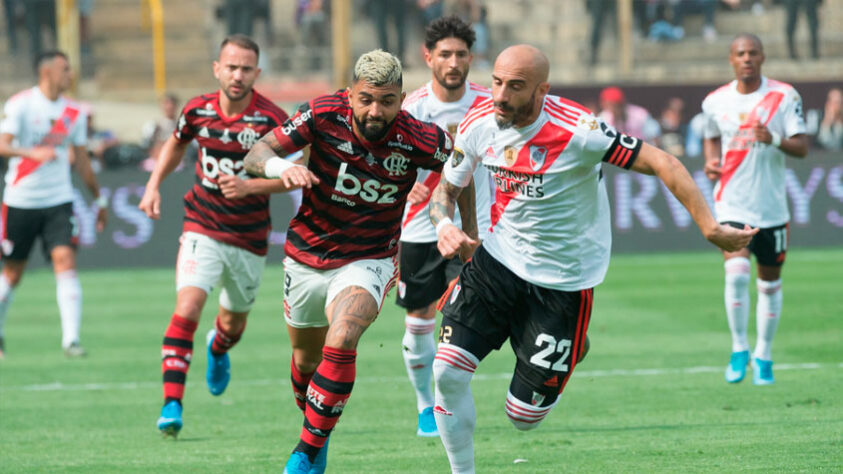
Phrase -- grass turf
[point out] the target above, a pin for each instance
(659, 311)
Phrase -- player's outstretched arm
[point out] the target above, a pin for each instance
(168, 159)
(670, 170)
(266, 160)
(82, 163)
(452, 240)
(467, 204)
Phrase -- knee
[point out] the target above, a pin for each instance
(450, 379)
(526, 416)
(737, 272)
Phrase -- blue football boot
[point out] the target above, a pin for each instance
(219, 368)
(298, 464)
(736, 370)
(170, 422)
(427, 424)
(321, 460)
(762, 371)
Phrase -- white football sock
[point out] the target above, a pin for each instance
(736, 295)
(7, 293)
(454, 410)
(69, 298)
(526, 416)
(767, 313)
(419, 348)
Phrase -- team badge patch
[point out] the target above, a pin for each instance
(537, 399)
(510, 154)
(402, 289)
(456, 292)
(537, 156)
(457, 157)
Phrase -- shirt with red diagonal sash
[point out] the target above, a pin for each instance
(223, 143)
(35, 120)
(355, 211)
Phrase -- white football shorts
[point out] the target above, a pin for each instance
(308, 291)
(204, 262)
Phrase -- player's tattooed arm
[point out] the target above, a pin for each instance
(451, 240)
(466, 203)
(442, 201)
(351, 312)
(266, 148)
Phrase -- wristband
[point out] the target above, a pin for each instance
(101, 201)
(275, 166)
(776, 139)
(443, 223)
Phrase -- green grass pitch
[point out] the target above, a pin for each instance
(650, 396)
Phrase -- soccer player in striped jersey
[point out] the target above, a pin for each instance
(424, 273)
(226, 222)
(341, 246)
(43, 133)
(531, 280)
(753, 123)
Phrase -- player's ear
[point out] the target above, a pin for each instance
(428, 56)
(403, 96)
(543, 89)
(217, 69)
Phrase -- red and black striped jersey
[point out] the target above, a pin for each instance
(223, 143)
(355, 211)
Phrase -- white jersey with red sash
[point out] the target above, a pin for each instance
(550, 219)
(751, 189)
(423, 105)
(36, 120)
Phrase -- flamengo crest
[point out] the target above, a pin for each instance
(247, 137)
(396, 164)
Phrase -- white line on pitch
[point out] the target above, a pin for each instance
(59, 386)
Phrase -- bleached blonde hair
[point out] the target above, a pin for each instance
(378, 68)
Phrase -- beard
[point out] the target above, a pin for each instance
(372, 130)
(450, 86)
(235, 98)
(517, 114)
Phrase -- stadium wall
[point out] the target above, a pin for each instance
(645, 216)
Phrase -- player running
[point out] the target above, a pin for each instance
(752, 123)
(531, 281)
(44, 133)
(226, 222)
(341, 246)
(424, 273)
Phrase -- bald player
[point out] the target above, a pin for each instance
(752, 124)
(531, 281)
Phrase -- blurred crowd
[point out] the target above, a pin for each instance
(664, 20)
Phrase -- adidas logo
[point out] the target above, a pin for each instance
(346, 147)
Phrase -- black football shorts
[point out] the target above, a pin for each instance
(769, 245)
(55, 226)
(423, 274)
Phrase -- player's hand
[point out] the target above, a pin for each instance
(732, 239)
(761, 133)
(102, 219)
(419, 194)
(233, 187)
(453, 241)
(712, 168)
(467, 251)
(298, 176)
(42, 153)
(151, 203)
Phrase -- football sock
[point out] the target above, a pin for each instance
(300, 382)
(737, 301)
(69, 298)
(767, 313)
(176, 352)
(526, 416)
(7, 293)
(327, 395)
(419, 348)
(224, 341)
(454, 408)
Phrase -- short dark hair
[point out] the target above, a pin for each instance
(448, 27)
(243, 41)
(748, 36)
(46, 57)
